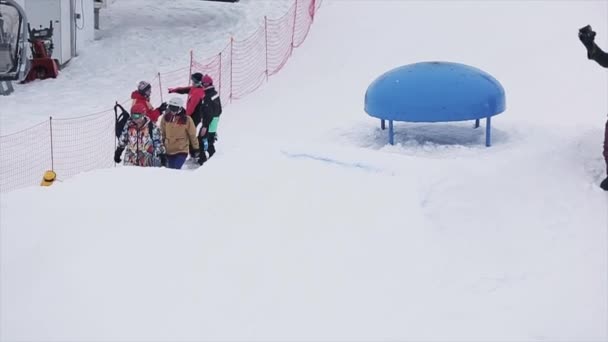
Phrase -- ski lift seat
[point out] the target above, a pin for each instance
(7, 62)
(13, 35)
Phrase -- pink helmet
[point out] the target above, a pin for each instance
(207, 80)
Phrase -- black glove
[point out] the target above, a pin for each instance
(587, 36)
(117, 155)
(604, 184)
(163, 107)
(163, 160)
(192, 151)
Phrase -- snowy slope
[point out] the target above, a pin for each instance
(307, 226)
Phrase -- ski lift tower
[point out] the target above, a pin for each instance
(13, 37)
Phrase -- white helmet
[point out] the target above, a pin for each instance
(176, 102)
(175, 105)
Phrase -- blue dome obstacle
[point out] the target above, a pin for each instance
(435, 92)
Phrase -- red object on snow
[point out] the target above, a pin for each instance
(42, 65)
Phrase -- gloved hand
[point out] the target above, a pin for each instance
(162, 107)
(117, 154)
(171, 90)
(163, 160)
(604, 184)
(195, 153)
(587, 36)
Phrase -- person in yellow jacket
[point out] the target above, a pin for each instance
(178, 132)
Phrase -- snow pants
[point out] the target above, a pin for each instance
(210, 145)
(176, 161)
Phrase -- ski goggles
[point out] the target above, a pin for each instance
(136, 116)
(173, 109)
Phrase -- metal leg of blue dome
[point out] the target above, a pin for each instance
(390, 132)
(382, 124)
(477, 123)
(488, 131)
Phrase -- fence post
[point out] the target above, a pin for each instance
(266, 37)
(220, 74)
(293, 31)
(191, 59)
(160, 88)
(52, 151)
(231, 65)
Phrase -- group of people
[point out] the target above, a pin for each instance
(167, 135)
(587, 37)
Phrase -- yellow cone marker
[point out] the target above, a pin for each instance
(49, 178)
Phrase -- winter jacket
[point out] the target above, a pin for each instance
(138, 98)
(142, 147)
(179, 133)
(596, 54)
(212, 107)
(195, 98)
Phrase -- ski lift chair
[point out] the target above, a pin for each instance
(12, 42)
(2, 33)
(7, 60)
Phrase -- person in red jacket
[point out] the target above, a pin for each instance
(141, 96)
(196, 94)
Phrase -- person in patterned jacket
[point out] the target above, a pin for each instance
(142, 141)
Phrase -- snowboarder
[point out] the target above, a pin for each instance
(142, 141)
(179, 132)
(141, 96)
(587, 37)
(211, 110)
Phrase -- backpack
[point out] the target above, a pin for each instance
(121, 121)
